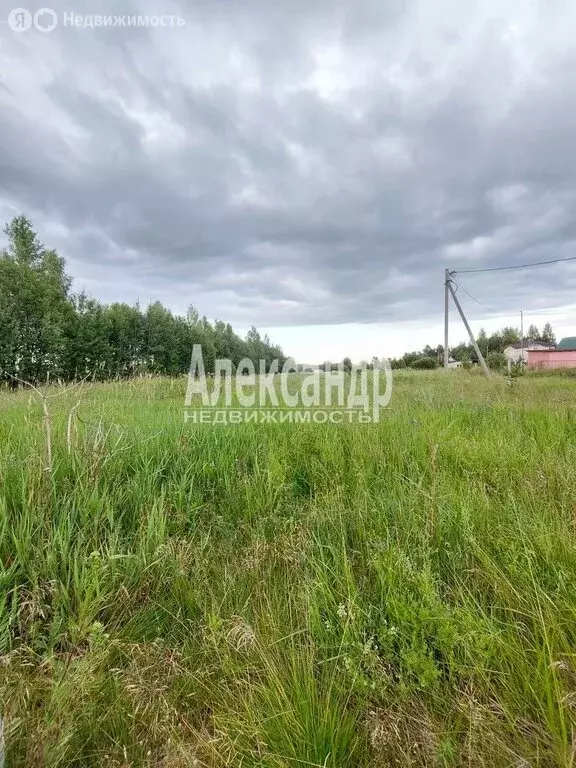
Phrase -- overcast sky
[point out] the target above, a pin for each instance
(309, 166)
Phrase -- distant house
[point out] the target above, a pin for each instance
(454, 363)
(519, 351)
(552, 358)
(561, 356)
(567, 343)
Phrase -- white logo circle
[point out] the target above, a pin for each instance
(45, 20)
(19, 20)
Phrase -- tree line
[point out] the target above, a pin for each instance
(48, 332)
(492, 348)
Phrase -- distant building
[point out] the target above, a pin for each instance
(563, 356)
(519, 351)
(567, 343)
(552, 358)
(454, 363)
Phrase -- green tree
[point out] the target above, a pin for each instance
(255, 346)
(160, 343)
(461, 351)
(47, 332)
(548, 335)
(482, 341)
(88, 350)
(425, 363)
(496, 361)
(509, 335)
(126, 335)
(429, 351)
(34, 307)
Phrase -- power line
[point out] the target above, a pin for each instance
(535, 311)
(516, 266)
(473, 297)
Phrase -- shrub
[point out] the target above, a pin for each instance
(496, 361)
(424, 364)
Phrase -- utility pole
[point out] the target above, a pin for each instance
(465, 321)
(522, 336)
(446, 309)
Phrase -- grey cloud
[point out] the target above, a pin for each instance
(287, 163)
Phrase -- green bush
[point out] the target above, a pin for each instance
(424, 364)
(496, 361)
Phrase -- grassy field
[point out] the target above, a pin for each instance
(291, 595)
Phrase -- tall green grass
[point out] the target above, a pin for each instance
(400, 593)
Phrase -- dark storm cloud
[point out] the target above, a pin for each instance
(299, 162)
